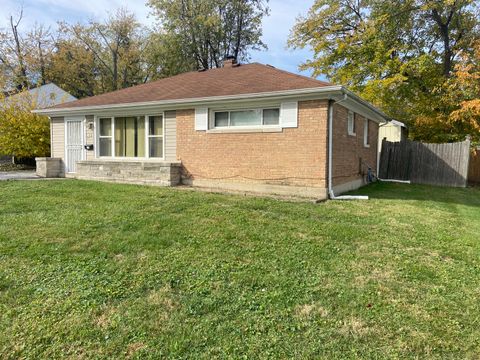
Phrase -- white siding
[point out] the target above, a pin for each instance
(391, 132)
(89, 137)
(170, 136)
(57, 126)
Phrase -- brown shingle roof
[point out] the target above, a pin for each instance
(233, 80)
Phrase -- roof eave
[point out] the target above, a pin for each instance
(369, 110)
(192, 101)
(335, 92)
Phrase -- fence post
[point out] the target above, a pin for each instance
(468, 141)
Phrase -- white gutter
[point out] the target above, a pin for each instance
(325, 91)
(331, 194)
(395, 181)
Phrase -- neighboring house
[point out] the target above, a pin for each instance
(242, 127)
(43, 96)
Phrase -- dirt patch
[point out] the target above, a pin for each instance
(310, 310)
(162, 297)
(105, 318)
(133, 348)
(354, 326)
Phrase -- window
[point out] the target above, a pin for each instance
(351, 123)
(155, 136)
(271, 116)
(247, 118)
(131, 137)
(221, 119)
(105, 137)
(366, 141)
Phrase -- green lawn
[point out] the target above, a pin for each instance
(95, 270)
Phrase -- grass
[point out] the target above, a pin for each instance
(95, 270)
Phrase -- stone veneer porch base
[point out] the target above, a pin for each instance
(161, 173)
(49, 167)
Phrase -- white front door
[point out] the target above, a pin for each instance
(74, 150)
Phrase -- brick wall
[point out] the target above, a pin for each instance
(348, 149)
(295, 156)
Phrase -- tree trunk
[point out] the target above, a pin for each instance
(42, 63)
(239, 37)
(115, 70)
(18, 49)
(444, 29)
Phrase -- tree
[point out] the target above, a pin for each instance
(40, 44)
(73, 68)
(207, 31)
(117, 47)
(462, 98)
(22, 133)
(165, 56)
(24, 55)
(397, 54)
(13, 52)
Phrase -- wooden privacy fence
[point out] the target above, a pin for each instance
(474, 168)
(434, 164)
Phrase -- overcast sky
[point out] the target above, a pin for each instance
(276, 27)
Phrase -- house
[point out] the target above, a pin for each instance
(43, 96)
(243, 127)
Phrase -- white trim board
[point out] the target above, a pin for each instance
(335, 92)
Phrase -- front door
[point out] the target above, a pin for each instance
(73, 143)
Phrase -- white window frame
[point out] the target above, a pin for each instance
(366, 140)
(148, 136)
(261, 126)
(351, 123)
(147, 143)
(98, 136)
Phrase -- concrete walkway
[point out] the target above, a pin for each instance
(18, 175)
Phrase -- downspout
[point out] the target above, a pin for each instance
(331, 194)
